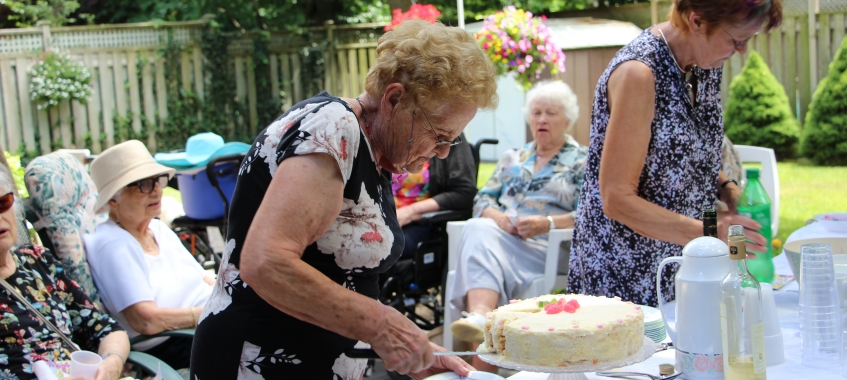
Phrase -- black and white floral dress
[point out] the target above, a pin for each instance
(680, 174)
(240, 336)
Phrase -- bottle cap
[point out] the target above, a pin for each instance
(666, 369)
(753, 173)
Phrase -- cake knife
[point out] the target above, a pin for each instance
(367, 353)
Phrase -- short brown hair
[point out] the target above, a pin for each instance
(435, 64)
(717, 12)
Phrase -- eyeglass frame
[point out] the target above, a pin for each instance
(738, 43)
(438, 141)
(153, 181)
(11, 195)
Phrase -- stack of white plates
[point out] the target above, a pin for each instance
(654, 327)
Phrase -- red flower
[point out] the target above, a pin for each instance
(372, 236)
(426, 12)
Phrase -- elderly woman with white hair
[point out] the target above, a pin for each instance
(533, 189)
(146, 278)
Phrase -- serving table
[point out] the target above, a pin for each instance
(786, 299)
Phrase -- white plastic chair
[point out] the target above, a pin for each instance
(769, 176)
(540, 286)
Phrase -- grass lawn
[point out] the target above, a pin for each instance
(805, 190)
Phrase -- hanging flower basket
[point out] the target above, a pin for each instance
(56, 77)
(518, 42)
(426, 12)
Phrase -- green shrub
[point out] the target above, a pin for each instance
(825, 133)
(757, 111)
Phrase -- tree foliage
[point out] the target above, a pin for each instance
(757, 111)
(248, 15)
(25, 13)
(825, 133)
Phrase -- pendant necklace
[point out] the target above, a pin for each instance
(687, 74)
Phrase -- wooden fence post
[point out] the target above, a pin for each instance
(329, 57)
(814, 8)
(45, 34)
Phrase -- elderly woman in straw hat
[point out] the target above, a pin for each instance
(313, 222)
(146, 278)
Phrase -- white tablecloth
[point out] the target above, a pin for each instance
(789, 319)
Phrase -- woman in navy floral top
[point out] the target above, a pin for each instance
(655, 154)
(37, 276)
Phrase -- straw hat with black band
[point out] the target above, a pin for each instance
(121, 165)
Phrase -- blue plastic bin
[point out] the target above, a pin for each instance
(200, 200)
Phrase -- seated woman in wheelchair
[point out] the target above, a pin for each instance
(146, 277)
(33, 273)
(533, 189)
(448, 184)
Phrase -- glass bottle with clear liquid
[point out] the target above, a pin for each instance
(742, 327)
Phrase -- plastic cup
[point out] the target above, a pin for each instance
(820, 320)
(85, 364)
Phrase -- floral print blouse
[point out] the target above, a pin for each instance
(242, 336)
(46, 285)
(516, 189)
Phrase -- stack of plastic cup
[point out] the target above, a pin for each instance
(841, 287)
(820, 322)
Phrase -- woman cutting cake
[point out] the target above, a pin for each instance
(313, 223)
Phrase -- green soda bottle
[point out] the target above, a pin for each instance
(755, 204)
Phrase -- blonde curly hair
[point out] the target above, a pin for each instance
(436, 64)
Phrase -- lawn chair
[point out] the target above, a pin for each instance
(61, 208)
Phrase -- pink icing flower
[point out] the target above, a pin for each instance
(637, 307)
(551, 328)
(553, 308)
(620, 320)
(514, 301)
(629, 315)
(702, 363)
(489, 317)
(500, 323)
(576, 326)
(525, 327)
(599, 325)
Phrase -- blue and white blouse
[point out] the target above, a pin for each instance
(516, 189)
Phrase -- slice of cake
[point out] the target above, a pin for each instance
(565, 329)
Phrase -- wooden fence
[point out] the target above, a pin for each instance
(128, 77)
(129, 71)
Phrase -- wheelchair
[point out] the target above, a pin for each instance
(420, 281)
(194, 233)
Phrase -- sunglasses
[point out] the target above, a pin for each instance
(6, 202)
(146, 186)
(438, 141)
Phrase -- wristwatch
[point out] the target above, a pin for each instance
(552, 223)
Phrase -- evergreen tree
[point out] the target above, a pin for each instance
(825, 133)
(757, 111)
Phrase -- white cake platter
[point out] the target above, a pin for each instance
(577, 371)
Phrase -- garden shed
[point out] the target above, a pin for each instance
(589, 45)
